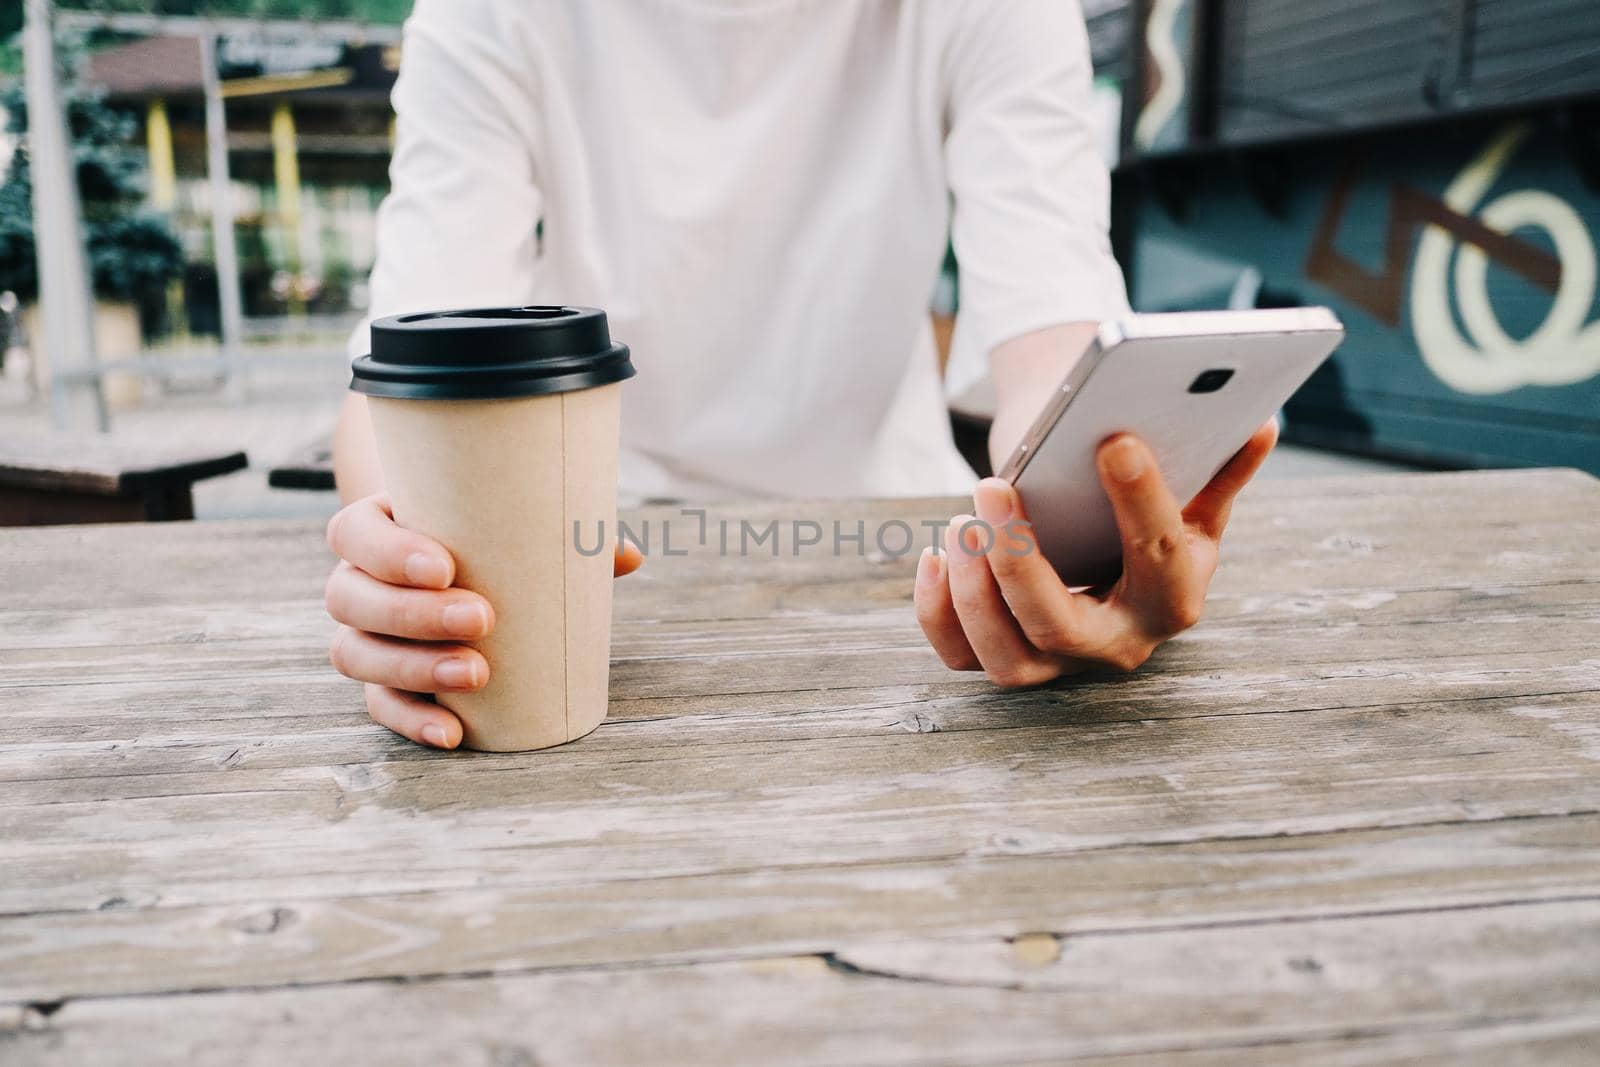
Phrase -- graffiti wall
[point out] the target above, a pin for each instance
(1461, 258)
(1169, 69)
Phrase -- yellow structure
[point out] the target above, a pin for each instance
(164, 188)
(163, 167)
(286, 175)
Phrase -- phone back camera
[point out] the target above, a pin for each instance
(1210, 381)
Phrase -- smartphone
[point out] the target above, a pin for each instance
(1194, 385)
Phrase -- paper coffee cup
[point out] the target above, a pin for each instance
(497, 431)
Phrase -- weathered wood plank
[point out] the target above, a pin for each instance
(134, 946)
(454, 821)
(950, 1001)
(1556, 1042)
(872, 647)
(1328, 534)
(654, 632)
(317, 719)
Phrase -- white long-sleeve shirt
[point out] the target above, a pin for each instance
(758, 192)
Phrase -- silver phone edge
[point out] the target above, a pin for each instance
(1107, 338)
(1252, 322)
(1314, 319)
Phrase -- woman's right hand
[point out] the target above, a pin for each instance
(402, 624)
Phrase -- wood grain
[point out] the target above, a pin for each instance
(148, 945)
(955, 1001)
(1352, 816)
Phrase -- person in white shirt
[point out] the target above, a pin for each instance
(759, 193)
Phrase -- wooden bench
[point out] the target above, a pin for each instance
(48, 479)
(311, 467)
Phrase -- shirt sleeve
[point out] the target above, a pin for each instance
(1031, 215)
(458, 226)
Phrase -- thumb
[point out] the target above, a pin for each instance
(629, 559)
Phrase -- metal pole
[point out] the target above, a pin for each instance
(66, 304)
(222, 236)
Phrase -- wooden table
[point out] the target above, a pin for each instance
(1354, 815)
(49, 479)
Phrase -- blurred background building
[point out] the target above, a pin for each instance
(302, 89)
(309, 134)
(1429, 168)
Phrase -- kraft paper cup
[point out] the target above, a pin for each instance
(497, 431)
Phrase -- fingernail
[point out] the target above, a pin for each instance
(1124, 459)
(434, 734)
(952, 543)
(994, 500)
(928, 567)
(457, 674)
(966, 540)
(427, 570)
(466, 620)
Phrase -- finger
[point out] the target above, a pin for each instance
(411, 716)
(357, 599)
(1209, 510)
(365, 535)
(629, 559)
(1158, 573)
(1052, 617)
(996, 638)
(937, 615)
(417, 668)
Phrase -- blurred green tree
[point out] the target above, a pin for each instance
(133, 253)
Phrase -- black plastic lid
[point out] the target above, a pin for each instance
(490, 352)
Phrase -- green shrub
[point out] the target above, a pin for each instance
(132, 252)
